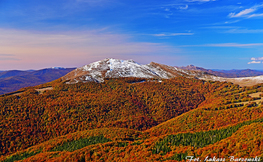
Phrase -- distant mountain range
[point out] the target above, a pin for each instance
(114, 68)
(226, 73)
(15, 79)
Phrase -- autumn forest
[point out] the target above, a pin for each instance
(132, 119)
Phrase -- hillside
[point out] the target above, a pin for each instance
(13, 80)
(115, 110)
(145, 111)
(113, 145)
(11, 73)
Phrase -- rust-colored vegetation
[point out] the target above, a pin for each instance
(131, 119)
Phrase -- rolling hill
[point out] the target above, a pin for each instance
(128, 118)
(15, 79)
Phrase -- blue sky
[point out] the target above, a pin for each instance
(214, 34)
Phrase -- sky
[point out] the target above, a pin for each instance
(214, 34)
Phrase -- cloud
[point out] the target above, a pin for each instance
(254, 62)
(238, 45)
(245, 31)
(6, 54)
(242, 13)
(235, 45)
(170, 9)
(247, 12)
(199, 0)
(73, 48)
(93, 2)
(8, 57)
(219, 27)
(255, 15)
(172, 34)
(257, 59)
(231, 22)
(234, 29)
(183, 8)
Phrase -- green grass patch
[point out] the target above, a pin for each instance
(178, 157)
(198, 139)
(122, 144)
(20, 156)
(136, 143)
(81, 143)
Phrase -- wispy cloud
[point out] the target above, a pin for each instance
(183, 7)
(94, 2)
(256, 59)
(8, 57)
(46, 49)
(254, 62)
(220, 27)
(242, 13)
(247, 12)
(4, 55)
(199, 0)
(231, 22)
(238, 45)
(234, 45)
(172, 34)
(168, 10)
(255, 15)
(244, 31)
(233, 29)
(168, 7)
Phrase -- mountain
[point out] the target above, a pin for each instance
(115, 68)
(14, 79)
(226, 73)
(192, 67)
(125, 119)
(240, 73)
(119, 110)
(11, 73)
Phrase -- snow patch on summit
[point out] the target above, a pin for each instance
(91, 66)
(115, 68)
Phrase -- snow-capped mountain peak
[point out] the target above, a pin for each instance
(115, 68)
(57, 68)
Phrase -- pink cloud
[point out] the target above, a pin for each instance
(39, 50)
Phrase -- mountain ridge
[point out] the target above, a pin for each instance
(115, 68)
(234, 73)
(15, 79)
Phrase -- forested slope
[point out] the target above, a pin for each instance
(130, 119)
